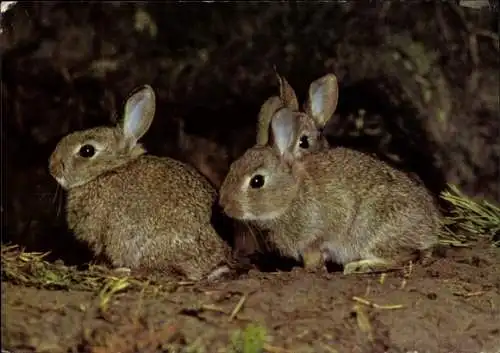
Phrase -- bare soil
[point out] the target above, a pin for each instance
(449, 305)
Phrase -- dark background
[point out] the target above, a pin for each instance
(419, 86)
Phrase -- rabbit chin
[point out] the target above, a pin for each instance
(66, 185)
(261, 216)
(62, 181)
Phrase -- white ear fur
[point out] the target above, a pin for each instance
(283, 128)
(323, 99)
(267, 110)
(139, 113)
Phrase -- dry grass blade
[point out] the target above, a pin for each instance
(30, 269)
(238, 307)
(469, 219)
(363, 321)
(329, 349)
(214, 308)
(377, 306)
(273, 349)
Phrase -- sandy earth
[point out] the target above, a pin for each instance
(451, 305)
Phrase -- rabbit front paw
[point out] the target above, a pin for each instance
(122, 271)
(367, 266)
(313, 260)
(218, 273)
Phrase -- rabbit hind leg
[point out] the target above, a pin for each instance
(212, 258)
(122, 270)
(383, 264)
(368, 266)
(218, 273)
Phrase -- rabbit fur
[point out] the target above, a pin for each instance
(138, 210)
(351, 208)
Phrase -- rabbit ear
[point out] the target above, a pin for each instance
(267, 110)
(139, 113)
(287, 94)
(287, 98)
(283, 128)
(323, 99)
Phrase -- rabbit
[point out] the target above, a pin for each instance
(136, 209)
(347, 206)
(319, 108)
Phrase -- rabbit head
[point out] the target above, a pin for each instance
(84, 155)
(262, 184)
(320, 106)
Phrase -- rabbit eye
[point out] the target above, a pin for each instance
(257, 181)
(86, 151)
(304, 142)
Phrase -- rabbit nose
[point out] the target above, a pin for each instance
(56, 166)
(222, 200)
(228, 206)
(224, 203)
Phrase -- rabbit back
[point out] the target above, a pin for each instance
(370, 208)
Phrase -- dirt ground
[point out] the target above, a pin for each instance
(450, 305)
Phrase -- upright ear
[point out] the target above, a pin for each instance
(139, 113)
(267, 110)
(323, 99)
(283, 128)
(287, 94)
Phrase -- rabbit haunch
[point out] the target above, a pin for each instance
(139, 210)
(354, 209)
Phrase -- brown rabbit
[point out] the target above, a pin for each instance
(355, 209)
(139, 210)
(319, 108)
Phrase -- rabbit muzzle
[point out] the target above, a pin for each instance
(56, 169)
(230, 207)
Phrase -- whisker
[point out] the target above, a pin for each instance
(59, 207)
(249, 227)
(257, 235)
(58, 200)
(54, 199)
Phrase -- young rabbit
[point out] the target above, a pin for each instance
(352, 208)
(319, 108)
(138, 210)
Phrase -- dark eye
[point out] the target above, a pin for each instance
(304, 142)
(257, 181)
(86, 151)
